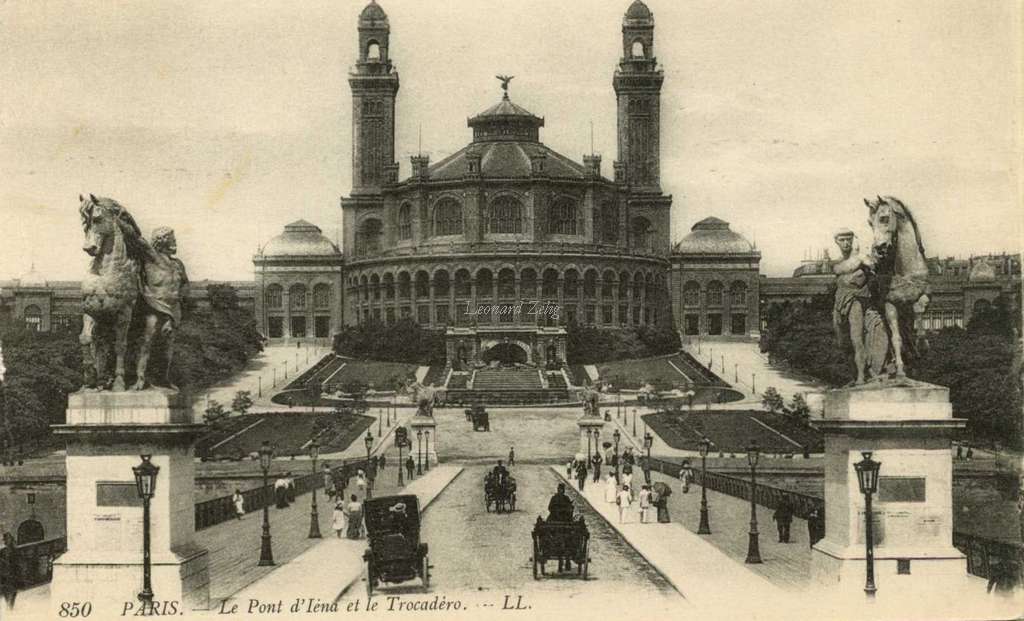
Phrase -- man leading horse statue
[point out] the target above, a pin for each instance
(126, 271)
(879, 293)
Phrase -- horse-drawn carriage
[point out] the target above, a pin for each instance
(478, 416)
(395, 553)
(565, 542)
(500, 492)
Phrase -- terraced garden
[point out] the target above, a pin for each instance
(239, 436)
(732, 431)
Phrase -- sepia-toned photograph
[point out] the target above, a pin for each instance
(589, 309)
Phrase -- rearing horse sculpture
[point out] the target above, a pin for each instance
(110, 288)
(901, 271)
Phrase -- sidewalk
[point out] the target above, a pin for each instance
(326, 570)
(260, 374)
(744, 366)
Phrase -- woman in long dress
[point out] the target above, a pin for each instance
(354, 515)
(361, 483)
(610, 487)
(624, 500)
(338, 518)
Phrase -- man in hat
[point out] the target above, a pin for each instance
(853, 295)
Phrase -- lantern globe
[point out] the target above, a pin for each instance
(266, 454)
(616, 435)
(314, 449)
(145, 477)
(648, 440)
(867, 473)
(368, 441)
(704, 446)
(753, 454)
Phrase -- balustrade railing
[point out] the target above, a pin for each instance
(33, 562)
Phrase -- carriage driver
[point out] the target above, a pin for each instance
(560, 506)
(164, 285)
(500, 473)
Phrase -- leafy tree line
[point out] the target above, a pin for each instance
(402, 341)
(590, 345)
(980, 364)
(43, 368)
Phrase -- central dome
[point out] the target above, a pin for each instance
(713, 236)
(300, 238)
(506, 121)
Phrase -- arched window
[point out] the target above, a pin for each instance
(389, 287)
(738, 293)
(638, 285)
(463, 287)
(549, 286)
(404, 285)
(422, 284)
(505, 216)
(608, 284)
(405, 222)
(364, 286)
(610, 222)
(442, 284)
(30, 531)
(321, 296)
(691, 293)
(638, 49)
(368, 239)
(297, 297)
(373, 51)
(447, 217)
(33, 317)
(274, 297)
(484, 283)
(623, 285)
(572, 283)
(506, 283)
(563, 217)
(528, 283)
(642, 235)
(590, 284)
(714, 293)
(375, 286)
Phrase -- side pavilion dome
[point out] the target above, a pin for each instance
(713, 236)
(300, 238)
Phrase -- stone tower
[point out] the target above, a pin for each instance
(637, 85)
(374, 84)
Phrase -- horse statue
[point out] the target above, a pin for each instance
(110, 289)
(901, 272)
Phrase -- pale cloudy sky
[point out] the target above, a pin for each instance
(228, 120)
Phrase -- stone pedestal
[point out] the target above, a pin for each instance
(106, 432)
(907, 426)
(594, 425)
(424, 424)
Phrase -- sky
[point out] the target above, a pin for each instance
(226, 120)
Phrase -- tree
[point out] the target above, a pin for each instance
(402, 341)
(799, 409)
(242, 402)
(772, 400)
(214, 413)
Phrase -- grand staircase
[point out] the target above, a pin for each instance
(503, 386)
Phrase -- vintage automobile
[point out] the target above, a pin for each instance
(501, 494)
(565, 542)
(395, 553)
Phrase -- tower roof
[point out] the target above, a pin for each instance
(638, 11)
(372, 14)
(506, 121)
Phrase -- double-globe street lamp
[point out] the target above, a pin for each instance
(419, 452)
(753, 549)
(705, 527)
(314, 517)
(648, 443)
(616, 436)
(426, 450)
(634, 422)
(867, 479)
(266, 551)
(369, 484)
(145, 484)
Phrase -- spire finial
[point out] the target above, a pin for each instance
(505, 79)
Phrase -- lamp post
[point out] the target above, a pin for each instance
(867, 479)
(648, 443)
(705, 526)
(589, 436)
(615, 436)
(380, 420)
(634, 422)
(145, 484)
(426, 450)
(753, 550)
(314, 518)
(419, 452)
(259, 383)
(369, 445)
(689, 398)
(401, 464)
(266, 552)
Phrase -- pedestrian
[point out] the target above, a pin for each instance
(624, 499)
(595, 463)
(610, 487)
(661, 502)
(410, 465)
(970, 452)
(239, 503)
(645, 464)
(783, 517)
(627, 479)
(289, 486)
(581, 474)
(685, 477)
(281, 493)
(8, 567)
(959, 451)
(1020, 513)
(361, 482)
(815, 526)
(354, 518)
(511, 456)
(381, 461)
(328, 477)
(569, 467)
(338, 518)
(645, 503)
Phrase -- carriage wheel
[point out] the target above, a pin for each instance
(586, 566)
(535, 559)
(586, 557)
(368, 575)
(426, 572)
